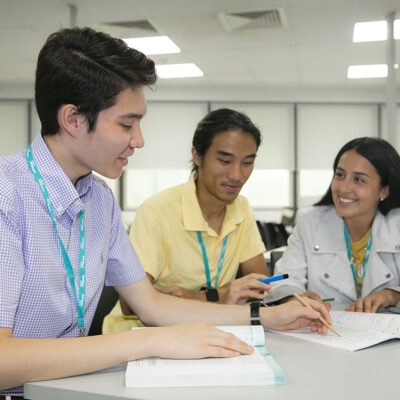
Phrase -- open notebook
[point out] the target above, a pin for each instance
(258, 368)
(357, 330)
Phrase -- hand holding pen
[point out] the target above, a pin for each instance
(323, 321)
(240, 290)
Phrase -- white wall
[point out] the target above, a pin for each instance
(302, 132)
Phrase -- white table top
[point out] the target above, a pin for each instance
(312, 371)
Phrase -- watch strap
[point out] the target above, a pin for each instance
(255, 312)
(212, 294)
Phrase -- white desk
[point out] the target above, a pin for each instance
(312, 372)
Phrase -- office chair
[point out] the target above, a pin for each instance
(261, 229)
(275, 235)
(272, 234)
(282, 234)
(274, 257)
(108, 299)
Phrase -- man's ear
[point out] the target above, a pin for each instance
(196, 157)
(69, 119)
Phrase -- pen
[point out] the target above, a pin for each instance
(301, 300)
(274, 278)
(328, 299)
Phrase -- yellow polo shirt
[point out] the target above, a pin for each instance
(164, 235)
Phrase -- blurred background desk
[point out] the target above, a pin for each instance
(312, 371)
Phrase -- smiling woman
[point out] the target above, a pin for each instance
(356, 191)
(347, 245)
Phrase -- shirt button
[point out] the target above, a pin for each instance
(326, 275)
(316, 247)
(388, 275)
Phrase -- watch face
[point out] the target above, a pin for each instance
(212, 294)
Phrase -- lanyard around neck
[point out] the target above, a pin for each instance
(350, 256)
(205, 259)
(80, 299)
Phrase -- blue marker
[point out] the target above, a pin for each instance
(274, 278)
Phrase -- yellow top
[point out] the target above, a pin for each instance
(358, 253)
(164, 236)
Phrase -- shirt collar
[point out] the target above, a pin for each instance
(193, 219)
(65, 197)
(383, 239)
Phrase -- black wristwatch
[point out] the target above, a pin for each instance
(212, 294)
(255, 312)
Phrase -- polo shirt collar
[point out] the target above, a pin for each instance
(192, 216)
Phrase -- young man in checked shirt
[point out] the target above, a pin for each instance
(62, 237)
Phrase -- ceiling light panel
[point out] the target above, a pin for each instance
(153, 45)
(188, 70)
(367, 71)
(374, 31)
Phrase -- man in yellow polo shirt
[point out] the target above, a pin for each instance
(192, 239)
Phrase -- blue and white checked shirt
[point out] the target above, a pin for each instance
(36, 300)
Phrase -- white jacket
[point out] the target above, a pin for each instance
(316, 258)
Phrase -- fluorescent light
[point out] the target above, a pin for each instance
(370, 31)
(367, 71)
(153, 45)
(188, 70)
(374, 31)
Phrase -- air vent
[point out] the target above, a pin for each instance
(233, 21)
(141, 25)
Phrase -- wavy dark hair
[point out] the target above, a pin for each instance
(86, 68)
(219, 121)
(386, 160)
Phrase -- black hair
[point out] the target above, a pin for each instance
(219, 121)
(86, 68)
(386, 160)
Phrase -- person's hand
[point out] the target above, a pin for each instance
(238, 291)
(293, 315)
(371, 303)
(311, 295)
(242, 289)
(194, 340)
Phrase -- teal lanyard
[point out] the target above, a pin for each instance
(361, 273)
(205, 260)
(80, 301)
